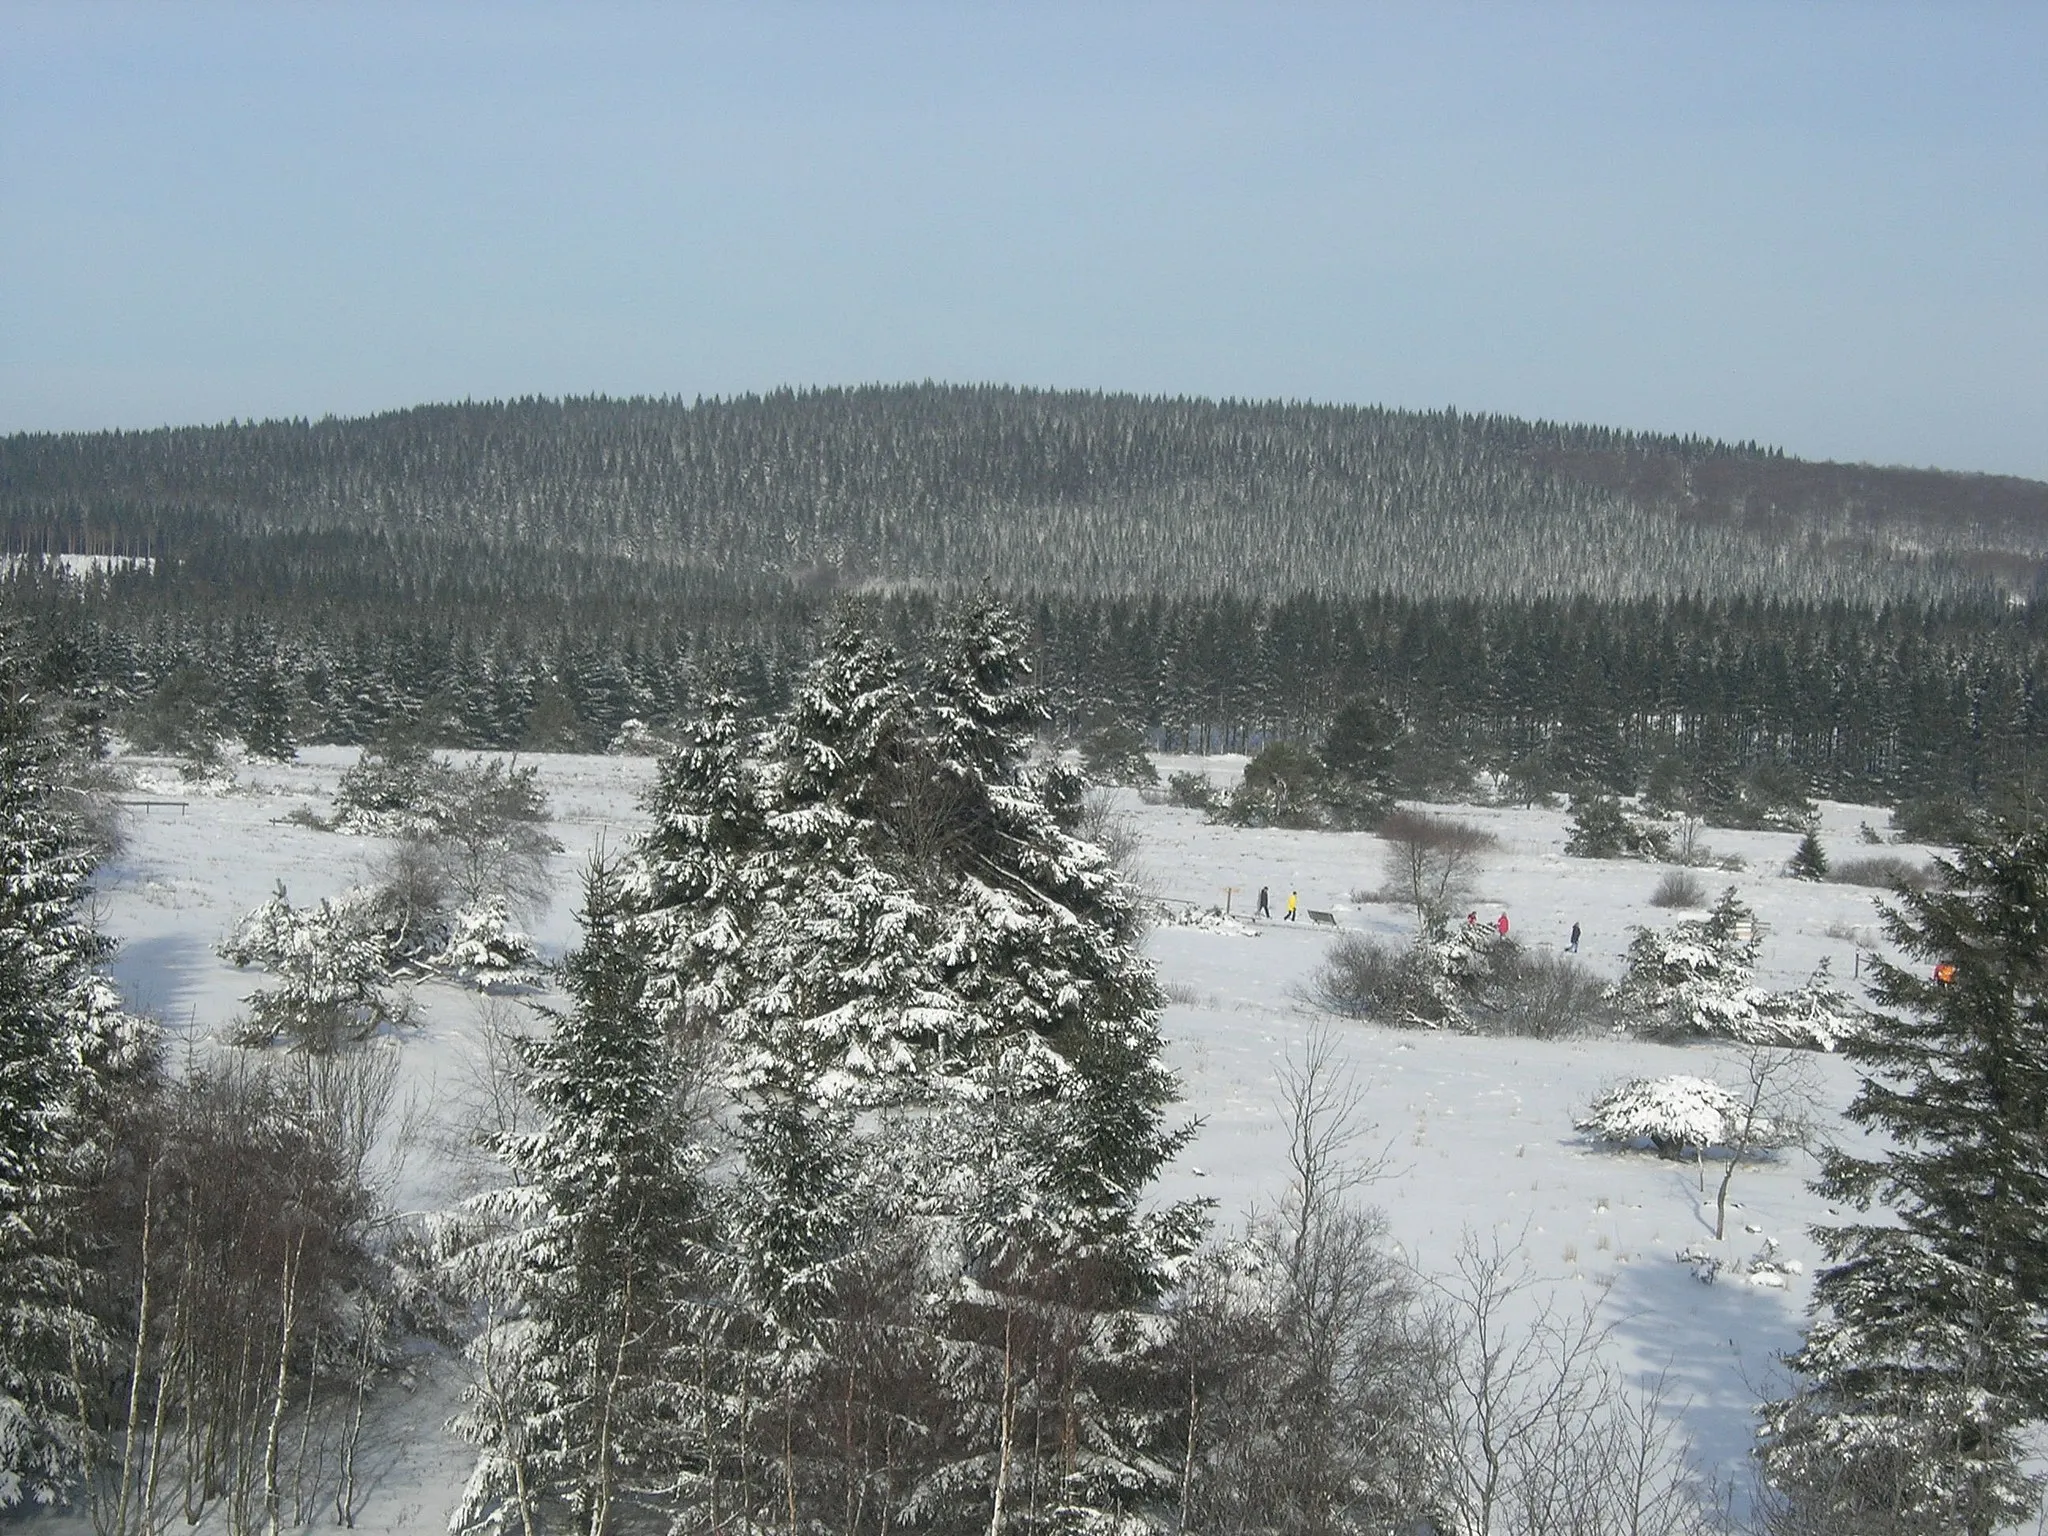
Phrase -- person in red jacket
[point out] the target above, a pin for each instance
(1502, 925)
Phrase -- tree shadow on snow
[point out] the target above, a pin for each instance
(160, 976)
(1717, 1344)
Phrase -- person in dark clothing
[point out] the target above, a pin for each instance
(1573, 947)
(1265, 907)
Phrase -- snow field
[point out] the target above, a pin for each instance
(1476, 1134)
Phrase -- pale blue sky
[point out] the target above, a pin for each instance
(1823, 226)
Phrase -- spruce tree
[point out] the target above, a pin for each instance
(65, 1046)
(1928, 1353)
(1809, 861)
(594, 1251)
(941, 1045)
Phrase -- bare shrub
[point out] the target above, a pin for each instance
(1466, 979)
(1115, 832)
(489, 1104)
(1884, 871)
(1303, 1355)
(1432, 861)
(1679, 888)
(88, 797)
(1777, 1106)
(1367, 978)
(413, 888)
(1545, 997)
(1535, 1430)
(484, 822)
(1687, 845)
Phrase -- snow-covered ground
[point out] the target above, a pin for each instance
(1477, 1133)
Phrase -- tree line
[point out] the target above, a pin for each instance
(1892, 704)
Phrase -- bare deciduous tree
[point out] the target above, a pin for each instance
(1538, 1433)
(1433, 861)
(1774, 1108)
(241, 1258)
(1303, 1355)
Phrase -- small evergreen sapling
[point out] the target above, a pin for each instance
(1810, 860)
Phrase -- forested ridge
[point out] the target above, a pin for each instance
(1215, 573)
(1066, 492)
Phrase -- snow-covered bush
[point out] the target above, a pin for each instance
(484, 948)
(463, 833)
(1466, 977)
(1176, 914)
(636, 738)
(1815, 1015)
(332, 968)
(1673, 1114)
(1693, 981)
(389, 789)
(1604, 828)
(403, 789)
(334, 961)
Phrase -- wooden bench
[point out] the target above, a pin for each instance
(1322, 919)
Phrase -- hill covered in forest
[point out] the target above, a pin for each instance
(1068, 493)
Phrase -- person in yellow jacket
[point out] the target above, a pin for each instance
(1290, 908)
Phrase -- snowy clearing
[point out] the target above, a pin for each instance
(1476, 1133)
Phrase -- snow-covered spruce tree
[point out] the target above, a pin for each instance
(332, 963)
(941, 1048)
(1693, 981)
(1927, 1356)
(65, 1046)
(585, 1263)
